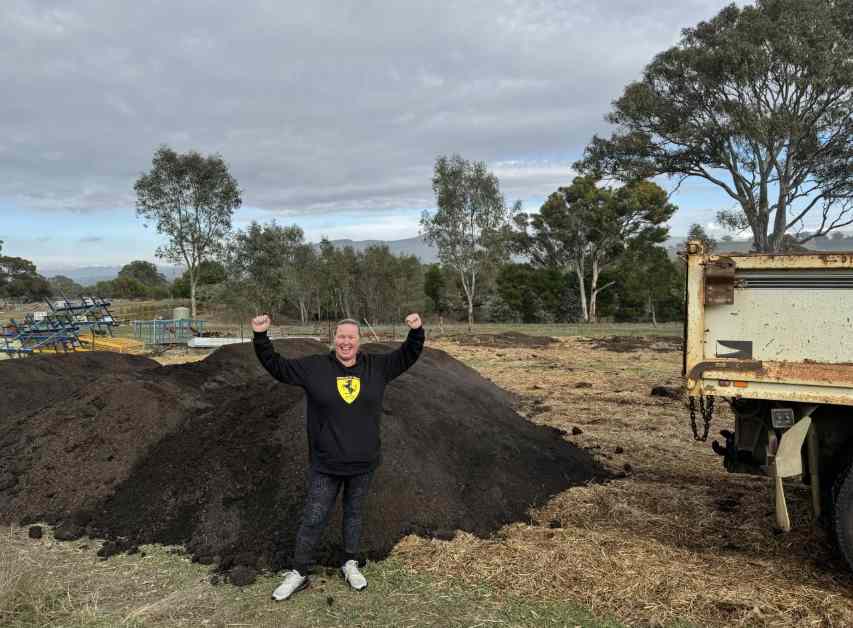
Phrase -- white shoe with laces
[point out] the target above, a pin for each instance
(352, 575)
(293, 582)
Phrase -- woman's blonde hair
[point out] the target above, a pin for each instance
(348, 321)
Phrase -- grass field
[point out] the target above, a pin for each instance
(672, 541)
(46, 583)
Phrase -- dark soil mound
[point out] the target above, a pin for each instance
(507, 339)
(213, 455)
(630, 344)
(35, 382)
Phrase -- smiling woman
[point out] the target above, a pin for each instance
(343, 434)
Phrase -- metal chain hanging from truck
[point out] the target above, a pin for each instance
(706, 408)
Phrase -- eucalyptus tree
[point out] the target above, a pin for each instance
(758, 101)
(471, 223)
(191, 198)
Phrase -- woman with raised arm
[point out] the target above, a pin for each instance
(344, 390)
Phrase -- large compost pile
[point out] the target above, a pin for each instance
(213, 454)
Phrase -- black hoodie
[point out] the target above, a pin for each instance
(344, 403)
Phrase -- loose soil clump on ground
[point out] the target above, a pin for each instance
(213, 455)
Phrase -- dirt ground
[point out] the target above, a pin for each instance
(671, 540)
(677, 539)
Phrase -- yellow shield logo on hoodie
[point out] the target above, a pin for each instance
(349, 388)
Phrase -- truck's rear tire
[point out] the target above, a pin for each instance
(842, 514)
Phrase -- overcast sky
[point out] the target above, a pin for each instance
(330, 114)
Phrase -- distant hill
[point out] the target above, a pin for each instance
(744, 246)
(416, 246)
(428, 254)
(89, 275)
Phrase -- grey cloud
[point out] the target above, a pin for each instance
(318, 106)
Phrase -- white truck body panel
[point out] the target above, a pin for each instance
(774, 327)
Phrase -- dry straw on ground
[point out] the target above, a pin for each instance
(675, 540)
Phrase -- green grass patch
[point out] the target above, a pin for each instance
(394, 598)
(64, 585)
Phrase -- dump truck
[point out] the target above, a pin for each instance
(772, 336)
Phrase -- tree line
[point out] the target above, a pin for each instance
(574, 247)
(271, 268)
(19, 280)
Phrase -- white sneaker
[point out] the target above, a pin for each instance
(352, 575)
(293, 582)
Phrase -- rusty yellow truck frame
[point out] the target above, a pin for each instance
(773, 335)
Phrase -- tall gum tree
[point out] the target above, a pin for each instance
(471, 223)
(585, 228)
(191, 198)
(757, 101)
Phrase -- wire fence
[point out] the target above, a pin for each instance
(397, 332)
(167, 332)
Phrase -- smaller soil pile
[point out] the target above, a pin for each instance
(510, 339)
(213, 455)
(630, 344)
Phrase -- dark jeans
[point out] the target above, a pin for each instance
(319, 503)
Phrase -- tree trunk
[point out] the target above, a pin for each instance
(582, 292)
(777, 240)
(193, 282)
(760, 242)
(319, 310)
(593, 294)
(469, 293)
(652, 311)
